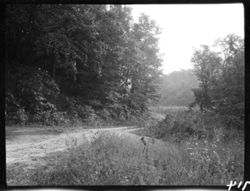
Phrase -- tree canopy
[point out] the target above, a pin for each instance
(221, 75)
(87, 58)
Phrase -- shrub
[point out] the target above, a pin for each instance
(33, 93)
(79, 111)
(17, 117)
(60, 118)
(186, 124)
(104, 114)
(50, 118)
(35, 89)
(14, 112)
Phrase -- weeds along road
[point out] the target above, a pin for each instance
(30, 145)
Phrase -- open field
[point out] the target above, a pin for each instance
(168, 109)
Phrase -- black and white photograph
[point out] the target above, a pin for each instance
(125, 94)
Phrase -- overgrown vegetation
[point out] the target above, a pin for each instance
(213, 152)
(221, 75)
(109, 160)
(189, 157)
(78, 63)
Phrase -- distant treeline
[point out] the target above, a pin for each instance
(78, 62)
(176, 88)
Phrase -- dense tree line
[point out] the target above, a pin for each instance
(78, 62)
(176, 88)
(221, 75)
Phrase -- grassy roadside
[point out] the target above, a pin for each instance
(213, 153)
(109, 160)
(188, 155)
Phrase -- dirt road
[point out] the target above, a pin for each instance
(30, 144)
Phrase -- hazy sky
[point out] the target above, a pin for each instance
(185, 27)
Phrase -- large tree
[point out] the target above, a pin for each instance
(206, 64)
(221, 78)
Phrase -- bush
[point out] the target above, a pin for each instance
(186, 124)
(77, 110)
(104, 114)
(50, 118)
(17, 117)
(35, 89)
(33, 93)
(14, 112)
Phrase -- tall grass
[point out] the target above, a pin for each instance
(213, 153)
(110, 160)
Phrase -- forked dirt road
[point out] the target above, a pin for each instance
(29, 149)
(28, 145)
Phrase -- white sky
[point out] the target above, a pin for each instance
(185, 27)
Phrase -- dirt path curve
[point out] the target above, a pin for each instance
(28, 147)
